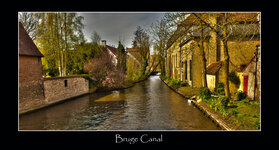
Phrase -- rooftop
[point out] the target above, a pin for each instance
(26, 45)
(112, 49)
(213, 68)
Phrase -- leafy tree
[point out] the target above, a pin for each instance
(57, 35)
(143, 43)
(121, 56)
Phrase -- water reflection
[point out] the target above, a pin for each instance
(149, 105)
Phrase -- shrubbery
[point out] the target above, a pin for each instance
(205, 93)
(174, 82)
(224, 101)
(241, 95)
(220, 89)
(102, 71)
(234, 78)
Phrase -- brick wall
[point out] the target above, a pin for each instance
(64, 87)
(30, 79)
(30, 68)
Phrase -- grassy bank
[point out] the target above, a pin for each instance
(240, 111)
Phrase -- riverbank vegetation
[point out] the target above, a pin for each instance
(174, 82)
(243, 113)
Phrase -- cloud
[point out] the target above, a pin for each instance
(112, 26)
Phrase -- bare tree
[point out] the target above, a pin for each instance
(30, 21)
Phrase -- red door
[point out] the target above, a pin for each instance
(245, 88)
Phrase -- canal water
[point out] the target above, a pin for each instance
(149, 105)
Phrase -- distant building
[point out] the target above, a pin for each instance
(30, 67)
(133, 53)
(133, 63)
(112, 51)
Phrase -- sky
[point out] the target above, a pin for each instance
(112, 26)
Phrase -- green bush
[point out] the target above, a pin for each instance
(220, 89)
(234, 112)
(224, 101)
(241, 95)
(246, 101)
(185, 84)
(224, 113)
(205, 93)
(234, 78)
(174, 82)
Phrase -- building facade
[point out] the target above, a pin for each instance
(184, 56)
(30, 68)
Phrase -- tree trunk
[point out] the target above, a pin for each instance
(66, 42)
(226, 58)
(202, 53)
(60, 67)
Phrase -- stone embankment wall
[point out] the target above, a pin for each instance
(59, 88)
(32, 90)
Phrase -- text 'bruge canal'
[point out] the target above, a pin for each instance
(145, 138)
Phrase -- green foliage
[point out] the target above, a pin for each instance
(246, 101)
(220, 89)
(58, 37)
(216, 108)
(224, 113)
(121, 56)
(205, 93)
(241, 95)
(234, 78)
(224, 101)
(234, 112)
(133, 70)
(185, 84)
(174, 82)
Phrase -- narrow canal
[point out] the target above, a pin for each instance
(149, 105)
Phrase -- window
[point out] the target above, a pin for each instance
(186, 70)
(176, 60)
(191, 71)
(65, 83)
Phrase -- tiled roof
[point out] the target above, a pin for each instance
(213, 68)
(112, 49)
(26, 45)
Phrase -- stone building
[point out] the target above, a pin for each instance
(30, 68)
(250, 77)
(184, 57)
(133, 63)
(34, 90)
(112, 51)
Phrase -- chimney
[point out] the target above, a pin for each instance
(104, 43)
